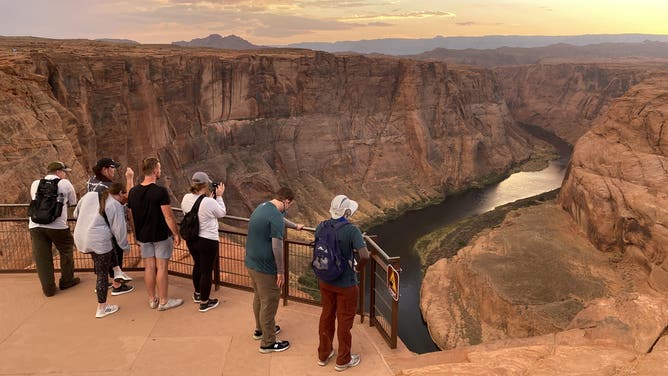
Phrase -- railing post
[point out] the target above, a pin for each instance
(286, 267)
(395, 314)
(362, 291)
(372, 288)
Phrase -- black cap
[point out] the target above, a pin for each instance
(107, 162)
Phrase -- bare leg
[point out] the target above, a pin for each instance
(161, 265)
(150, 277)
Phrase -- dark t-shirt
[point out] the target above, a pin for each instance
(145, 202)
(350, 238)
(265, 223)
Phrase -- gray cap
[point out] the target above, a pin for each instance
(200, 177)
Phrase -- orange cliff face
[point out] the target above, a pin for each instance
(565, 98)
(616, 188)
(389, 132)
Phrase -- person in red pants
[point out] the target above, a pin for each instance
(339, 297)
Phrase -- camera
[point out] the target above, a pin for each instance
(214, 186)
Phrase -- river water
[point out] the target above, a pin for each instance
(397, 237)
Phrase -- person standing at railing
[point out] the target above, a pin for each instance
(101, 225)
(264, 260)
(57, 233)
(339, 297)
(204, 249)
(105, 172)
(156, 232)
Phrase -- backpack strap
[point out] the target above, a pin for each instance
(195, 207)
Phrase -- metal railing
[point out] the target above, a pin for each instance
(230, 271)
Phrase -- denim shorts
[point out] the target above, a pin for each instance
(162, 249)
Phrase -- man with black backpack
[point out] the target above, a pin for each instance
(48, 226)
(336, 242)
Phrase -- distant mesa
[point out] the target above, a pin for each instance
(230, 42)
(121, 41)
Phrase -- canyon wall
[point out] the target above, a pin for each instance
(390, 133)
(616, 188)
(579, 264)
(564, 98)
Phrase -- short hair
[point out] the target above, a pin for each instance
(148, 165)
(284, 193)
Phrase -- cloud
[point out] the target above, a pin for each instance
(467, 23)
(382, 24)
(399, 16)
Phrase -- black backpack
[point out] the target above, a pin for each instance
(48, 203)
(328, 263)
(189, 228)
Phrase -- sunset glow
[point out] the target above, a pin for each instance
(278, 22)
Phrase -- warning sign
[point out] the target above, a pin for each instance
(393, 282)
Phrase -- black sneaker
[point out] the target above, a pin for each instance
(197, 297)
(275, 347)
(257, 334)
(211, 304)
(122, 289)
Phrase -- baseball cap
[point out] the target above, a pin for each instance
(55, 166)
(340, 204)
(201, 177)
(107, 162)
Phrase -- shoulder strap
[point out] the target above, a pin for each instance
(103, 210)
(196, 205)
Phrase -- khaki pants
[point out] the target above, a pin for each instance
(265, 304)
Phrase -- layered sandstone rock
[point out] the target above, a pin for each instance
(528, 277)
(564, 98)
(388, 132)
(616, 188)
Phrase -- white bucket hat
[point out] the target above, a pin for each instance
(341, 204)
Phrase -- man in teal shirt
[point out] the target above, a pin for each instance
(265, 263)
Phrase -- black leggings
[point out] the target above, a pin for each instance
(102, 264)
(204, 253)
(118, 260)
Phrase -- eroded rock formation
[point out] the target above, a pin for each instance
(389, 132)
(616, 188)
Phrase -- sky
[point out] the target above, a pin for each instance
(280, 22)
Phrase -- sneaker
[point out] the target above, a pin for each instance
(257, 334)
(108, 310)
(171, 303)
(275, 347)
(354, 361)
(211, 304)
(66, 285)
(122, 289)
(197, 297)
(323, 363)
(153, 304)
(122, 277)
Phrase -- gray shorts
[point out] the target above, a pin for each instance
(162, 249)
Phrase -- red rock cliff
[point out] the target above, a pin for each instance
(389, 132)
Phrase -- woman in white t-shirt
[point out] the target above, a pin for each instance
(204, 248)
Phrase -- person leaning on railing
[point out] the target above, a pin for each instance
(204, 248)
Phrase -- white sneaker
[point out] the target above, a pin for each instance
(354, 361)
(171, 303)
(106, 311)
(122, 277)
(323, 363)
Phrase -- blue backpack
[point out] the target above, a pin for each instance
(328, 263)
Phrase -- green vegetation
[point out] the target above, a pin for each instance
(447, 241)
